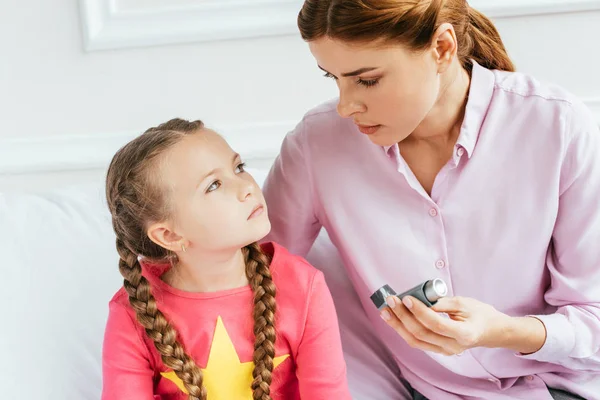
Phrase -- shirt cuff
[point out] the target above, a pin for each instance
(560, 339)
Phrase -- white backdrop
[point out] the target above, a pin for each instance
(78, 79)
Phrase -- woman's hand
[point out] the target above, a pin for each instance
(471, 323)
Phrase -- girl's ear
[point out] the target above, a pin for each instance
(163, 235)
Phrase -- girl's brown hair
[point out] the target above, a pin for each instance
(136, 198)
(408, 22)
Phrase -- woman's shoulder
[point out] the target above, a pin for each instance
(548, 100)
(525, 85)
(322, 129)
(323, 119)
(325, 110)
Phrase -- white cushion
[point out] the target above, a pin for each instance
(59, 270)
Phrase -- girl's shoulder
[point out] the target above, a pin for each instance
(120, 299)
(291, 273)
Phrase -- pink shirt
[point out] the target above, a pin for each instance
(513, 220)
(216, 330)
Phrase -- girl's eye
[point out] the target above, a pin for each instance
(240, 168)
(329, 75)
(368, 82)
(213, 186)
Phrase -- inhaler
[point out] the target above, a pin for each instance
(428, 292)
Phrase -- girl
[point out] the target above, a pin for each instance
(455, 167)
(205, 312)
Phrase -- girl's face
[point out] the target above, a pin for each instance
(387, 91)
(214, 203)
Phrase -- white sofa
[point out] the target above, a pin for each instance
(59, 270)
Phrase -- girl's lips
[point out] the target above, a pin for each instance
(256, 211)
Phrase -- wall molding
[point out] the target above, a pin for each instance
(94, 151)
(106, 26)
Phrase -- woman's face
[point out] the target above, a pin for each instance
(387, 91)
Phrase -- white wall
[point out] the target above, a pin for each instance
(69, 95)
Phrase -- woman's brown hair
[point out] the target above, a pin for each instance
(136, 198)
(408, 22)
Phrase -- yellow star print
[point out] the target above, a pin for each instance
(225, 377)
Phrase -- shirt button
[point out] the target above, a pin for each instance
(439, 264)
(493, 380)
(529, 377)
(433, 212)
(460, 151)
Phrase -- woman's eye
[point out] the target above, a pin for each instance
(367, 82)
(329, 75)
(213, 186)
(240, 168)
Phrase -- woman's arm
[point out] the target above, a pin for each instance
(290, 195)
(321, 369)
(126, 370)
(573, 332)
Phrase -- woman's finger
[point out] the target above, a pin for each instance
(450, 305)
(392, 320)
(417, 329)
(461, 312)
(429, 318)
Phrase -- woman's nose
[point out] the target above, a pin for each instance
(347, 106)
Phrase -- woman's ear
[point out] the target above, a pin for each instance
(445, 46)
(163, 235)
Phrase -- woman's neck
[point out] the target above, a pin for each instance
(442, 124)
(202, 273)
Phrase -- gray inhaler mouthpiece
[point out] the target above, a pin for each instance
(428, 292)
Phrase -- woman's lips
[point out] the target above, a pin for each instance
(368, 129)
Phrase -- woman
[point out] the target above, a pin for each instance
(439, 161)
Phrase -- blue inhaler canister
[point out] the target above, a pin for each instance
(428, 292)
